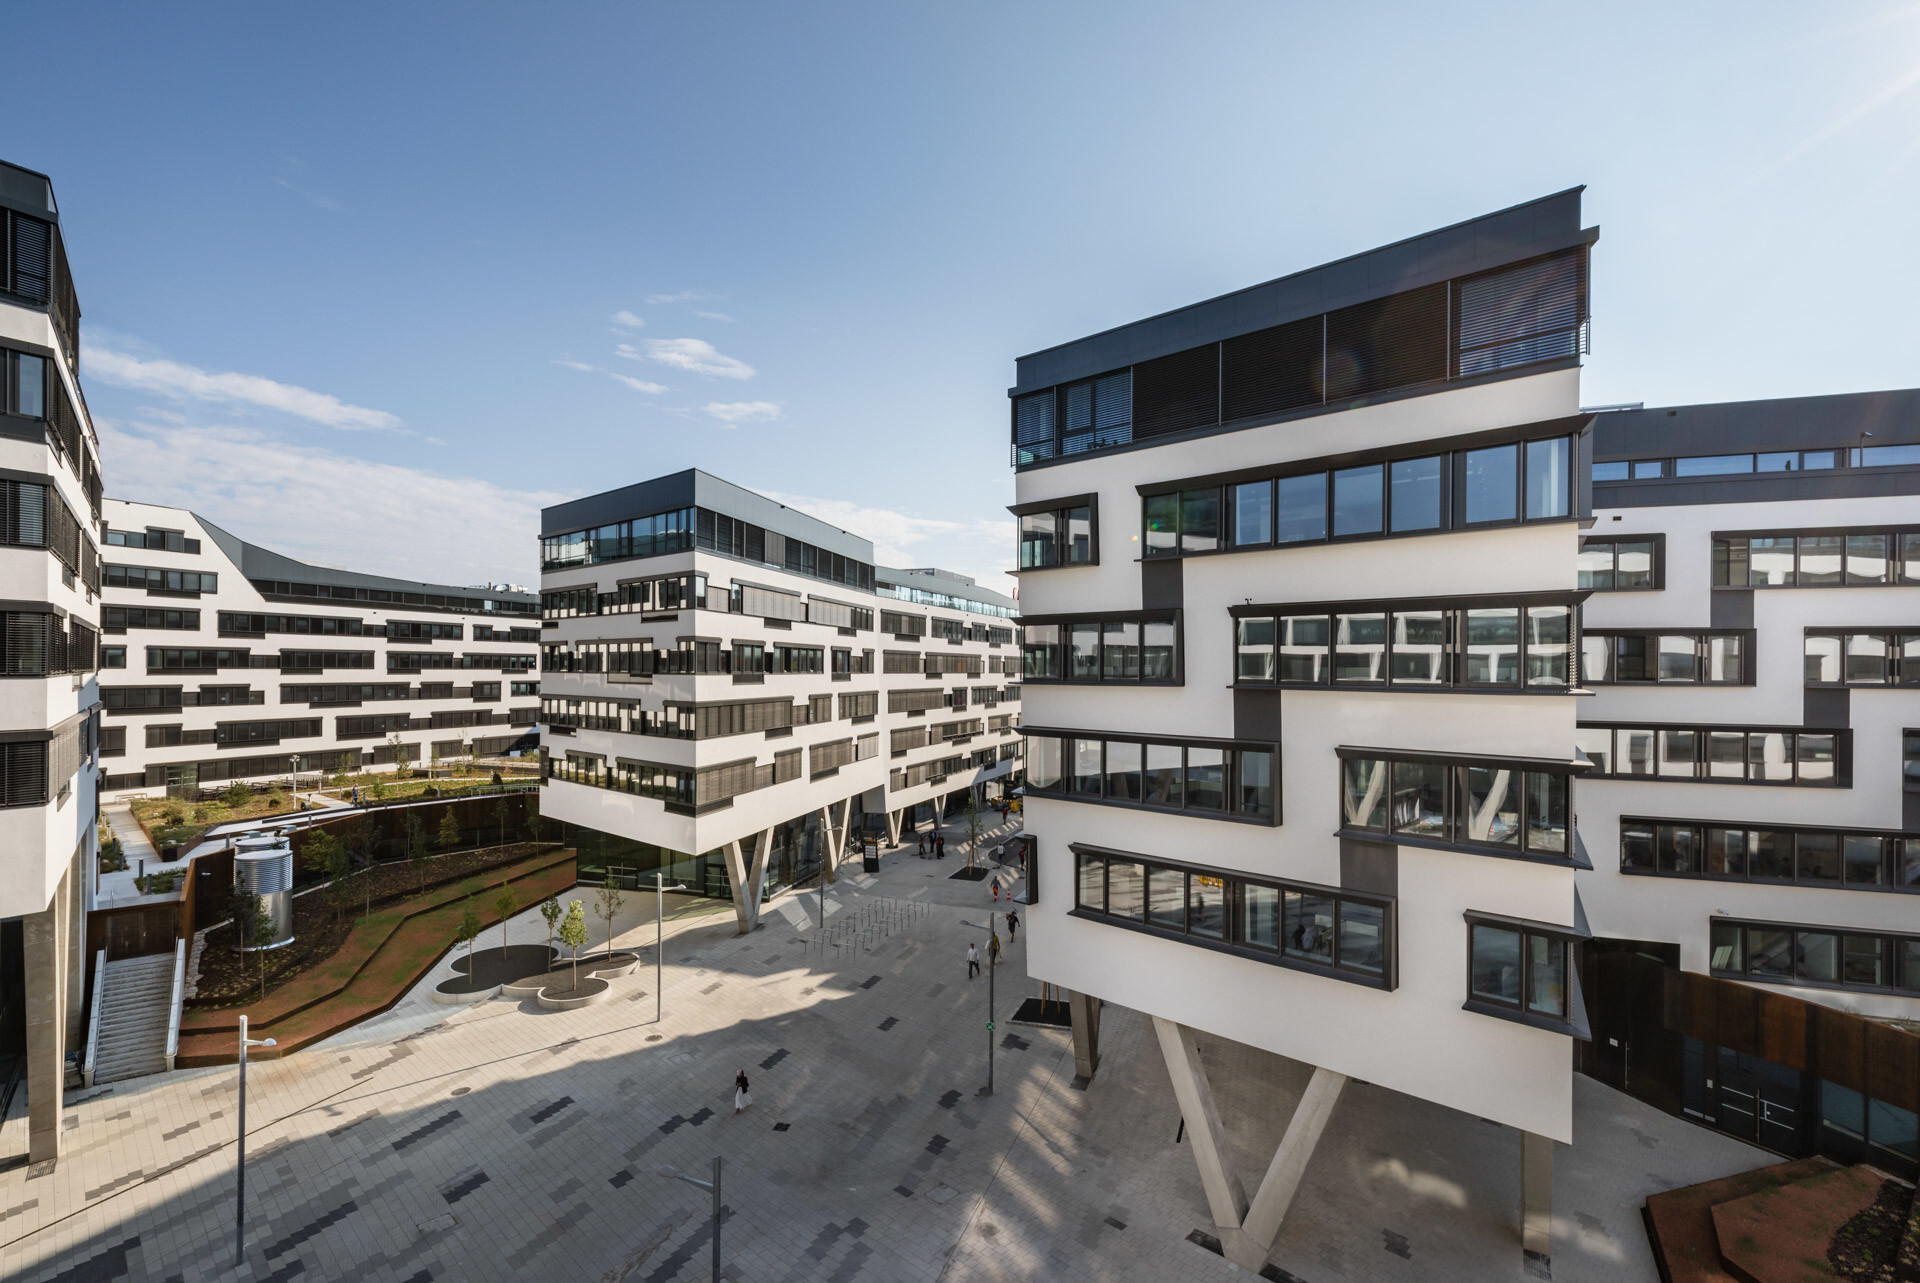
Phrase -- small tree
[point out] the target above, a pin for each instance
(367, 838)
(504, 903)
(606, 903)
(469, 930)
(550, 910)
(449, 831)
(318, 852)
(237, 796)
(252, 929)
(500, 811)
(973, 827)
(416, 831)
(573, 934)
(399, 751)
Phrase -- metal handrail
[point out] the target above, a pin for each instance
(93, 1029)
(179, 990)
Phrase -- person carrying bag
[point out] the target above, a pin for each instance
(741, 1096)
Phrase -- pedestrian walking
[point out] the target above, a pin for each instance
(1013, 926)
(993, 949)
(741, 1096)
(923, 845)
(940, 846)
(973, 960)
(996, 890)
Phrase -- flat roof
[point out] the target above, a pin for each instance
(692, 488)
(1738, 427)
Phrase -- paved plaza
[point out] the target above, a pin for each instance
(504, 1142)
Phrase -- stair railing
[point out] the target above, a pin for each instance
(179, 989)
(93, 1024)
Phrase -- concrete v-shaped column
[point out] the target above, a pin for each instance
(1246, 1230)
(748, 878)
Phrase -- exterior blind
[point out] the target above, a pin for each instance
(867, 746)
(23, 514)
(830, 613)
(909, 700)
(32, 246)
(827, 757)
(1177, 392)
(786, 766)
(1533, 311)
(768, 604)
(1273, 370)
(718, 783)
(23, 774)
(1033, 427)
(908, 737)
(24, 645)
(1393, 342)
(860, 704)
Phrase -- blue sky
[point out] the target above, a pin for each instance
(351, 273)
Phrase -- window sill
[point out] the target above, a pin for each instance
(1462, 848)
(841, 677)
(1406, 688)
(1805, 884)
(1190, 812)
(1573, 1027)
(1798, 983)
(1064, 565)
(1234, 950)
(1837, 784)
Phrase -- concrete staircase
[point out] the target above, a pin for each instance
(135, 1006)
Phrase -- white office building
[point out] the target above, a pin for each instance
(223, 661)
(1298, 590)
(732, 688)
(49, 629)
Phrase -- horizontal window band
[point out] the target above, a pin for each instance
(1805, 884)
(1756, 729)
(1377, 536)
(1215, 871)
(1194, 813)
(1370, 688)
(1783, 826)
(1839, 783)
(1147, 737)
(1572, 860)
(1783, 532)
(1391, 605)
(1275, 959)
(1557, 930)
(1163, 615)
(1550, 765)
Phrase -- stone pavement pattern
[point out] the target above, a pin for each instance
(504, 1142)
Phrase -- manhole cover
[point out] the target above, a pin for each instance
(941, 1193)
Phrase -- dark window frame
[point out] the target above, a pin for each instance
(1702, 639)
(1903, 986)
(1574, 1023)
(1230, 783)
(1059, 510)
(1657, 570)
(1099, 621)
(1703, 759)
(1893, 853)
(1572, 856)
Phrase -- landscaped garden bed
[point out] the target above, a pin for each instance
(320, 927)
(176, 822)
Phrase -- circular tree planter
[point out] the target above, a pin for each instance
(488, 970)
(556, 991)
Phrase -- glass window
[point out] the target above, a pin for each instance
(32, 388)
(1822, 665)
(1770, 952)
(1864, 961)
(1492, 483)
(1678, 850)
(1362, 937)
(1677, 658)
(1253, 649)
(1415, 494)
(1908, 956)
(1093, 883)
(1300, 508)
(1817, 459)
(1726, 853)
(1908, 566)
(1038, 545)
(1816, 956)
(1633, 749)
(1610, 471)
(1778, 461)
(1769, 855)
(1199, 520)
(1120, 654)
(1365, 785)
(1633, 563)
(1419, 799)
(1547, 636)
(1304, 640)
(1167, 898)
(1819, 560)
(1123, 770)
(1636, 847)
(1596, 564)
(1547, 812)
(1085, 636)
(1360, 648)
(1495, 963)
(1726, 939)
(1866, 662)
(1492, 651)
(1158, 662)
(1043, 763)
(1770, 756)
(1078, 549)
(1906, 869)
(1254, 772)
(1206, 906)
(1712, 465)
(1489, 805)
(1726, 755)
(1769, 561)
(1906, 658)
(1357, 501)
(1546, 975)
(1163, 525)
(1164, 771)
(1597, 743)
(1867, 559)
(1548, 478)
(1645, 468)
(1726, 659)
(1814, 753)
(1206, 778)
(1678, 751)
(1086, 767)
(1843, 1109)
(1126, 889)
(1894, 1129)
(1259, 916)
(1865, 859)
(1817, 857)
(1420, 648)
(1594, 656)
(1308, 926)
(1632, 658)
(1253, 513)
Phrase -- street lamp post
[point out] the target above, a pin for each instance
(992, 968)
(240, 1195)
(660, 889)
(673, 1173)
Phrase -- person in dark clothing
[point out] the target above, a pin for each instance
(993, 949)
(1013, 926)
(940, 846)
(741, 1096)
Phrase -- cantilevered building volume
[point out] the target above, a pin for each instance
(1298, 594)
(224, 661)
(732, 688)
(49, 629)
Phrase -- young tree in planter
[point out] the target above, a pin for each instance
(573, 934)
(449, 831)
(416, 830)
(366, 835)
(504, 903)
(550, 910)
(318, 852)
(606, 903)
(500, 810)
(469, 930)
(252, 928)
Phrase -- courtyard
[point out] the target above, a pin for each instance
(501, 1141)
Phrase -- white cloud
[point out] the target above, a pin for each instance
(638, 385)
(696, 355)
(684, 296)
(323, 202)
(319, 505)
(170, 378)
(627, 319)
(981, 548)
(574, 365)
(733, 413)
(714, 316)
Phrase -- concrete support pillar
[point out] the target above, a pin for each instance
(1083, 1009)
(1226, 1196)
(893, 828)
(45, 937)
(1289, 1164)
(1536, 1194)
(76, 971)
(747, 872)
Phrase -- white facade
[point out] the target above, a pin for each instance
(49, 626)
(707, 703)
(272, 667)
(1670, 883)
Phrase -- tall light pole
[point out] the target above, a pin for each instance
(992, 967)
(673, 1173)
(660, 889)
(240, 1167)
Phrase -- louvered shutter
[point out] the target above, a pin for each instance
(23, 774)
(1033, 427)
(24, 648)
(32, 253)
(1533, 311)
(768, 604)
(1177, 392)
(1273, 370)
(1393, 342)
